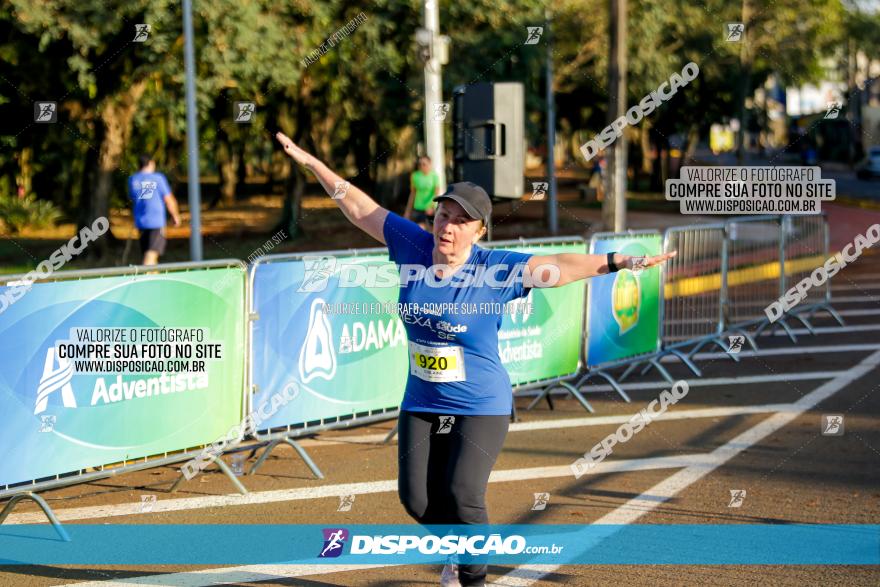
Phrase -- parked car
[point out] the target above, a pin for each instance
(870, 166)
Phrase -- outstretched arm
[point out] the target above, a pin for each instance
(576, 266)
(360, 209)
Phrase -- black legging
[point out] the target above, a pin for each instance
(443, 475)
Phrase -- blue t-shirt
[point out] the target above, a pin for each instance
(148, 191)
(454, 350)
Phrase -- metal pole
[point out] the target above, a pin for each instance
(192, 136)
(614, 210)
(433, 95)
(552, 218)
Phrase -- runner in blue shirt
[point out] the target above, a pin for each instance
(151, 196)
(457, 404)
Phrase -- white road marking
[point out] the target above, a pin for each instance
(856, 286)
(855, 312)
(864, 312)
(93, 512)
(795, 350)
(604, 420)
(639, 506)
(852, 299)
(250, 573)
(866, 276)
(334, 491)
(218, 576)
(829, 329)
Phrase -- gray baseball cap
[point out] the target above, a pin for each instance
(471, 197)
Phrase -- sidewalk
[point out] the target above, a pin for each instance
(846, 222)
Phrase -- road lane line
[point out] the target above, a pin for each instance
(334, 491)
(637, 507)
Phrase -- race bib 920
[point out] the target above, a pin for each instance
(436, 364)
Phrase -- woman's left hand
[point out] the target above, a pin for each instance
(639, 263)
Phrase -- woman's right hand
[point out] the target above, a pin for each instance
(297, 154)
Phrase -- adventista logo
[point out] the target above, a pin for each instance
(54, 379)
(334, 541)
(317, 357)
(625, 300)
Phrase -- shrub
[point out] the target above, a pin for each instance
(19, 213)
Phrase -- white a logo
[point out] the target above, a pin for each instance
(317, 357)
(54, 379)
(520, 308)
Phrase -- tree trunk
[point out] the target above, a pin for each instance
(690, 147)
(745, 61)
(116, 116)
(228, 162)
(295, 180)
(24, 181)
(645, 143)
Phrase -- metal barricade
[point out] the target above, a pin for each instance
(756, 254)
(19, 491)
(694, 282)
(806, 243)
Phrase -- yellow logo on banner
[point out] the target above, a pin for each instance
(625, 299)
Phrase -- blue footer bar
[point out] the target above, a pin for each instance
(215, 544)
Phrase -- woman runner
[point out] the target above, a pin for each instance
(457, 404)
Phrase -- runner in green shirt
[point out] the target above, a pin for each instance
(424, 184)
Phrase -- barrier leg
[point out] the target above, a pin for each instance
(764, 325)
(305, 457)
(687, 361)
(834, 314)
(661, 369)
(780, 323)
(299, 450)
(264, 456)
(629, 370)
(699, 346)
(784, 325)
(62, 533)
(224, 468)
(806, 324)
(391, 434)
(748, 338)
(577, 395)
(827, 307)
(607, 378)
(726, 350)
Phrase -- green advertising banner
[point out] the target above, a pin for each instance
(104, 370)
(623, 316)
(541, 334)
